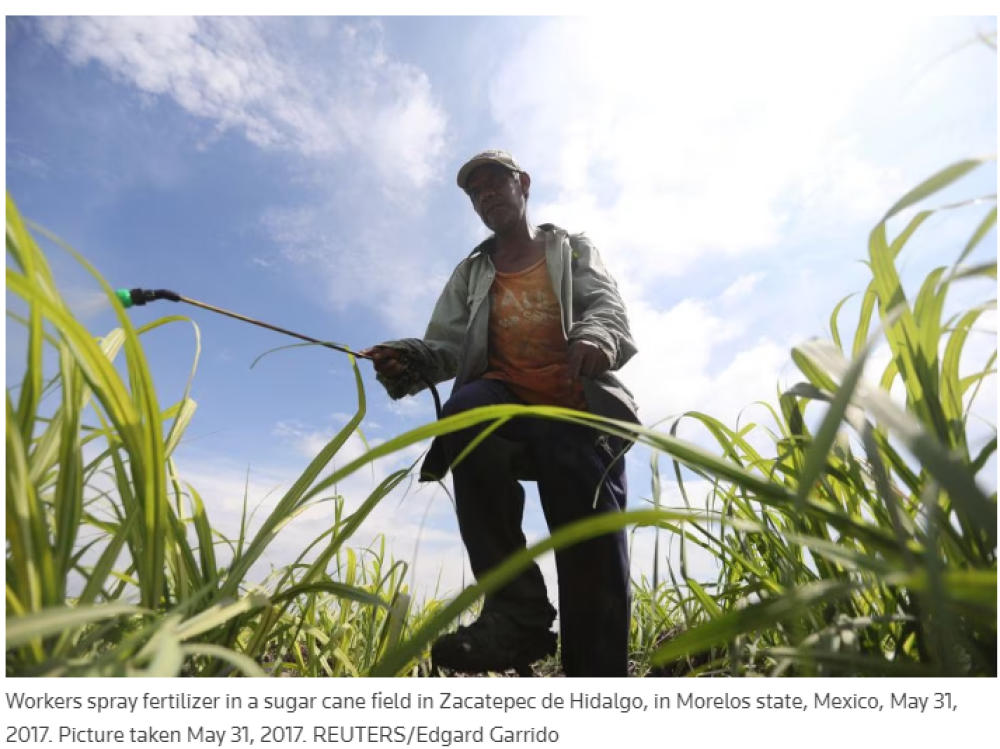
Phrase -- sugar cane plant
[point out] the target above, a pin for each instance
(864, 545)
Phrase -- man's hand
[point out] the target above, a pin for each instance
(388, 362)
(587, 359)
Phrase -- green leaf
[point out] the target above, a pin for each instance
(56, 620)
(246, 665)
(935, 183)
(795, 602)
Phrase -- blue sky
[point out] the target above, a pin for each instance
(302, 171)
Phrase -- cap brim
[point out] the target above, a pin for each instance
(473, 164)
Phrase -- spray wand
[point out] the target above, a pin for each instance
(141, 297)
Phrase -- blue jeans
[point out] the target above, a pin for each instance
(569, 462)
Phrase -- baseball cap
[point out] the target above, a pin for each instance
(489, 156)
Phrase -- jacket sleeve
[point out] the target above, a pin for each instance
(599, 314)
(436, 356)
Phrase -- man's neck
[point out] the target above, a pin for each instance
(518, 249)
(521, 239)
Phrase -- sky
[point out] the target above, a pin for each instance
(302, 171)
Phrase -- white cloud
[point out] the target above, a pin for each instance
(375, 265)
(741, 288)
(683, 142)
(308, 441)
(689, 148)
(417, 407)
(253, 76)
(225, 488)
(687, 362)
(331, 96)
(417, 523)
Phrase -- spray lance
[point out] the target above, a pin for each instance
(141, 297)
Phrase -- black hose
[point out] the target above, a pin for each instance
(144, 296)
(434, 394)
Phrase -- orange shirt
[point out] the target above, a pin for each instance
(527, 348)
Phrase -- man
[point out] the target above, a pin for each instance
(530, 317)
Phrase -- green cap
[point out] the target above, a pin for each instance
(125, 297)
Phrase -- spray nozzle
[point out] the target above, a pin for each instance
(139, 297)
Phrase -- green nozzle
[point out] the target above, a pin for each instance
(125, 297)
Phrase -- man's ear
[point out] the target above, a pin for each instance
(525, 180)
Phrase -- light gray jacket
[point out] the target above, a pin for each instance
(456, 340)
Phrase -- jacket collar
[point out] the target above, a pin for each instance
(484, 247)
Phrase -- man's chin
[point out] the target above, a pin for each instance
(498, 222)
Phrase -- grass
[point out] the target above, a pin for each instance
(150, 595)
(863, 546)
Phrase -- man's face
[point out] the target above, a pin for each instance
(497, 195)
